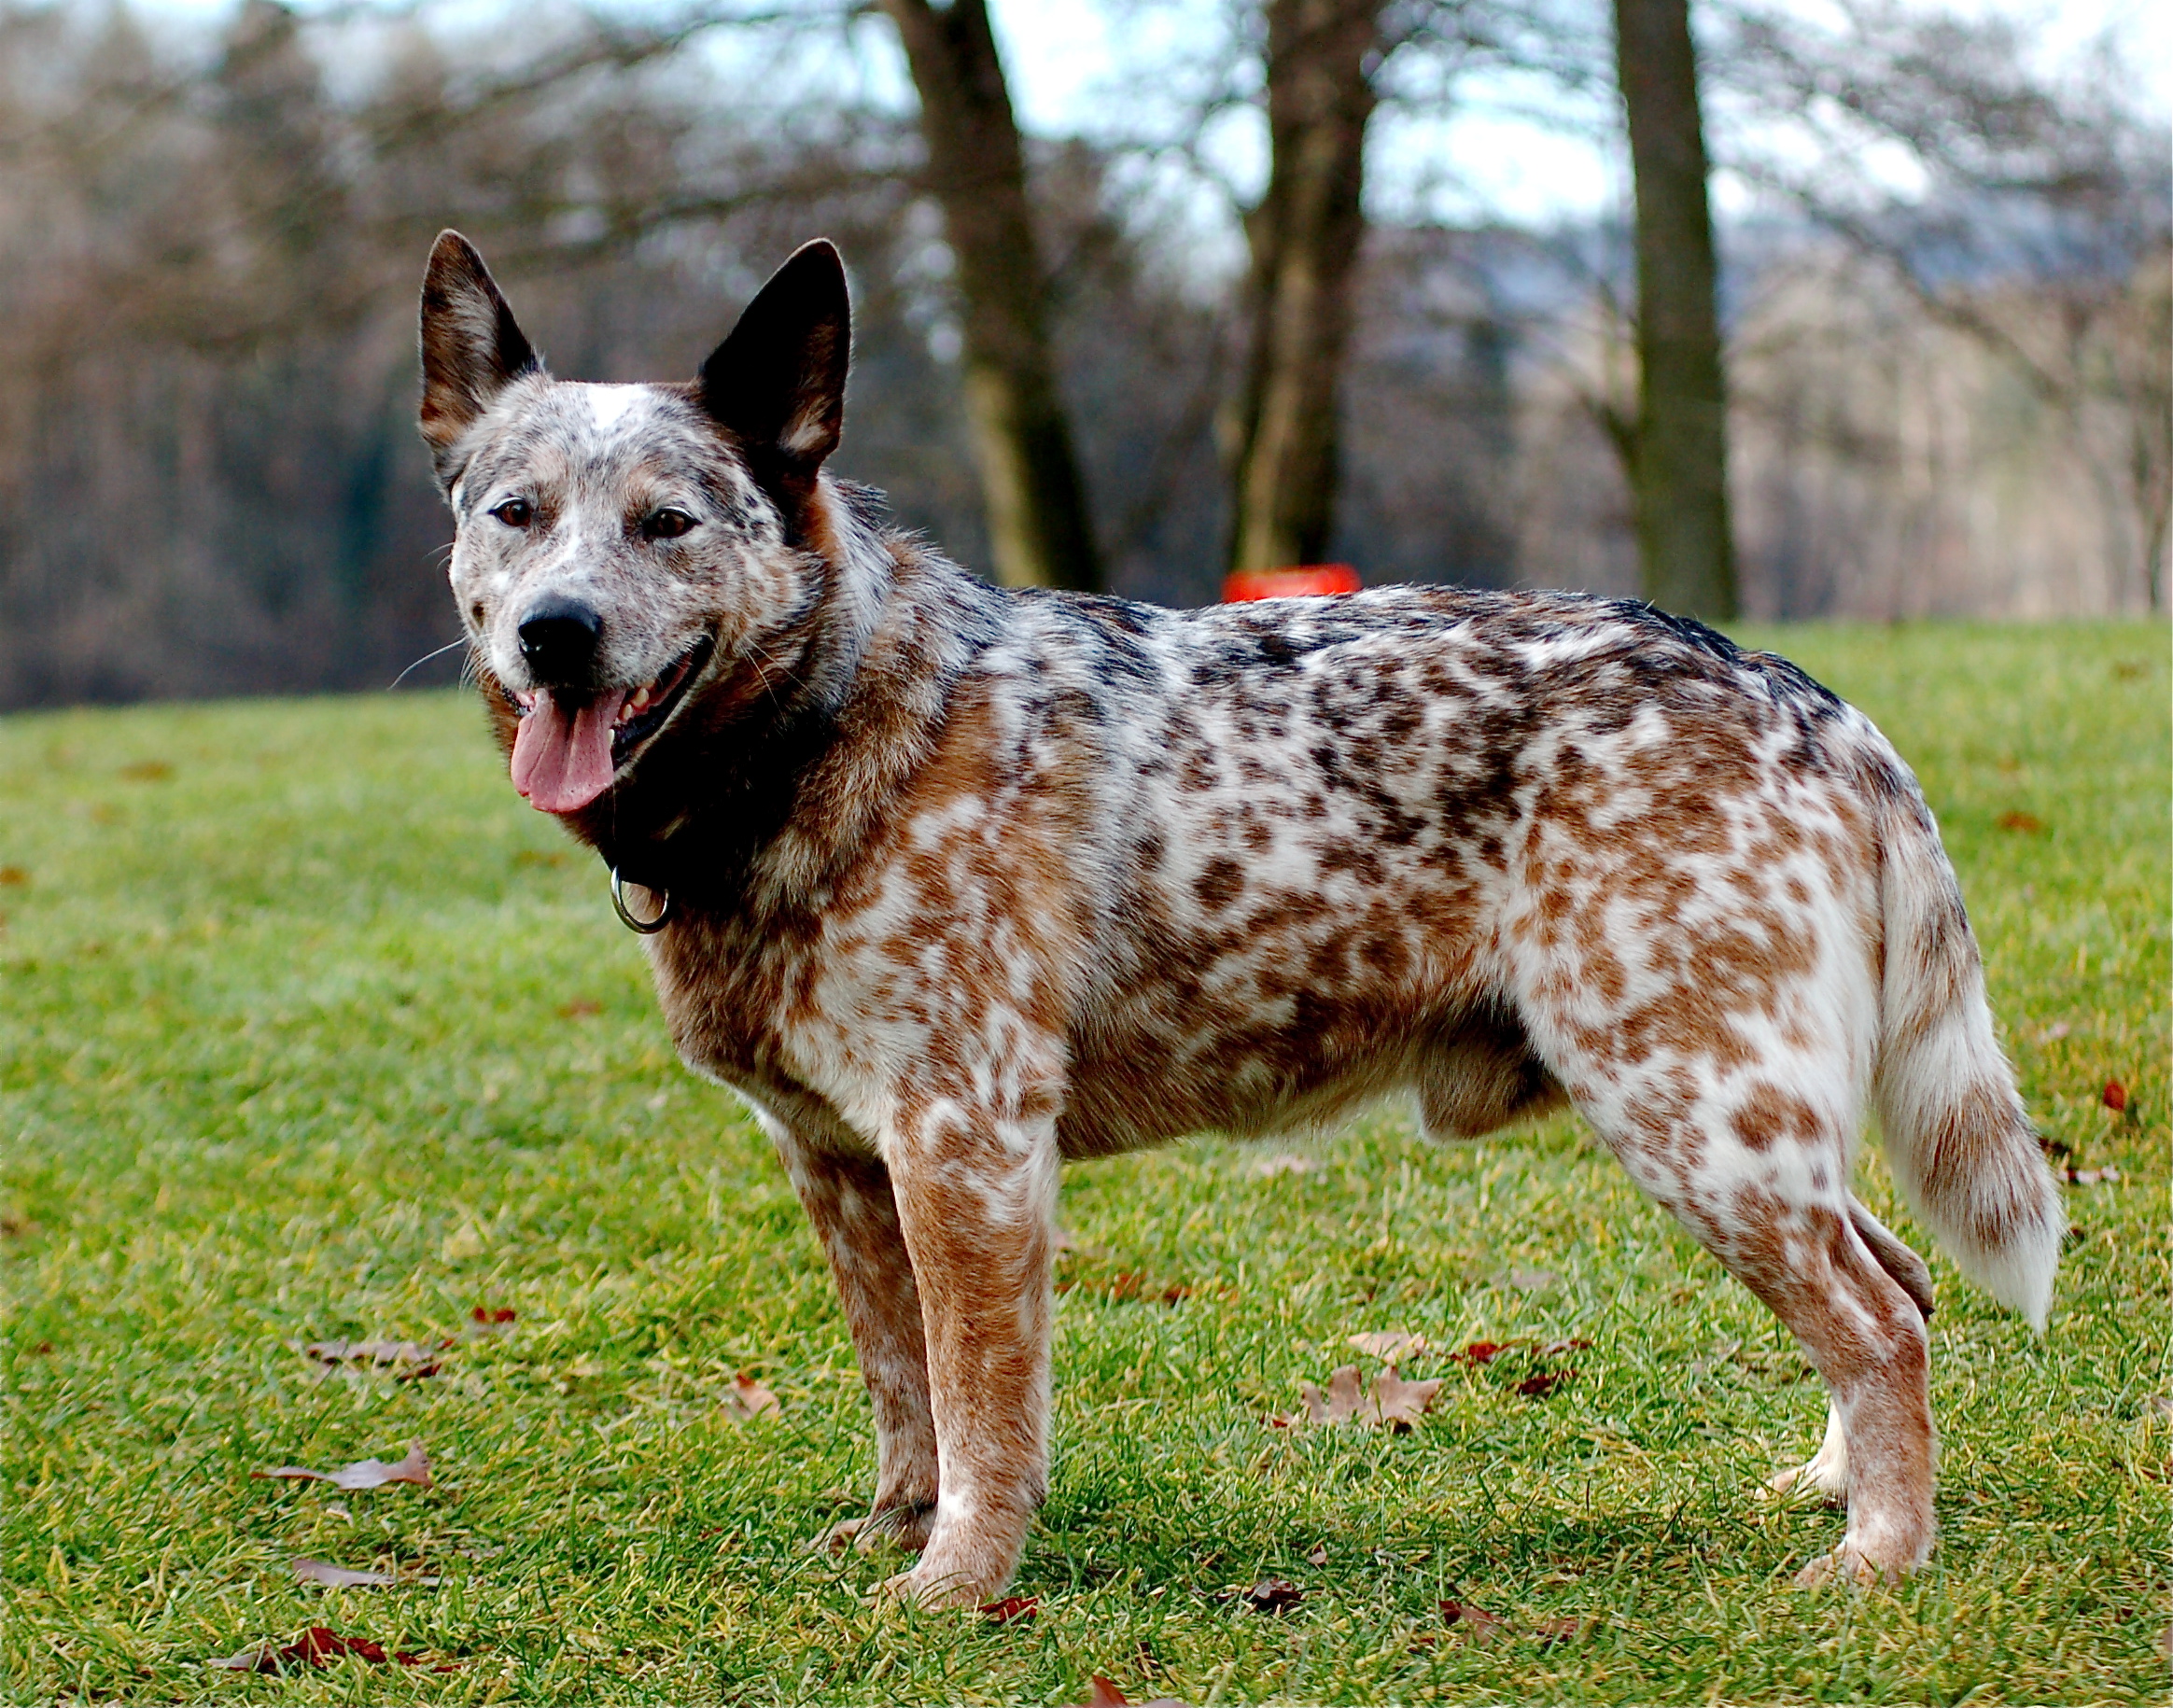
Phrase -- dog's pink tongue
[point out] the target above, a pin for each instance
(562, 763)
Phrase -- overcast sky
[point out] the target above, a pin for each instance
(1088, 66)
(1072, 61)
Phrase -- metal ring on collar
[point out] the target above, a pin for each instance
(626, 915)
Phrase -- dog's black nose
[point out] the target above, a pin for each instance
(559, 639)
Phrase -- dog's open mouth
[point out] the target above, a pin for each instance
(566, 750)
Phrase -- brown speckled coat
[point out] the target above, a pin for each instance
(964, 883)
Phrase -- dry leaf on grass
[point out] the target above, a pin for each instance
(1480, 1627)
(1538, 1387)
(2028, 823)
(362, 1474)
(1469, 1624)
(1391, 1346)
(1103, 1693)
(748, 1398)
(1269, 1595)
(580, 1008)
(1273, 1595)
(319, 1646)
(1391, 1402)
(1012, 1609)
(330, 1576)
(1319, 1556)
(373, 1353)
(2114, 1096)
(2107, 1176)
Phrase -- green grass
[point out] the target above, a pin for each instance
(309, 1028)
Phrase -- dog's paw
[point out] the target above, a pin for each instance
(904, 1528)
(1844, 1565)
(1815, 1480)
(931, 1594)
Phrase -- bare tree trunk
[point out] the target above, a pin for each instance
(1039, 529)
(1305, 237)
(1679, 468)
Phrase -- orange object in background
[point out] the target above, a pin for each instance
(1289, 583)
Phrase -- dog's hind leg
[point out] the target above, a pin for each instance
(855, 1213)
(1742, 1131)
(1756, 1174)
(1827, 1470)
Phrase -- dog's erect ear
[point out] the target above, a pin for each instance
(472, 348)
(779, 381)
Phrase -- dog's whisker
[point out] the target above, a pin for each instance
(424, 660)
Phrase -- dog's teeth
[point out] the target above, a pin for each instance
(639, 702)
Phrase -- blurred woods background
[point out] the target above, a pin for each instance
(1245, 316)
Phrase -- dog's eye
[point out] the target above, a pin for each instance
(666, 524)
(515, 512)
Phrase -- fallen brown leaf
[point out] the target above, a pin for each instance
(2115, 1095)
(1402, 1404)
(340, 1577)
(319, 1646)
(1276, 1595)
(1340, 1404)
(1478, 1627)
(1103, 1693)
(1319, 1556)
(579, 1008)
(1539, 1386)
(373, 1353)
(362, 1474)
(1391, 1346)
(748, 1398)
(1469, 1624)
(148, 771)
(13, 877)
(1012, 1609)
(2028, 823)
(1391, 1401)
(1480, 1351)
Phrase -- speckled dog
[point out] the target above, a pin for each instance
(953, 884)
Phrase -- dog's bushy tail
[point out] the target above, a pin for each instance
(1961, 1149)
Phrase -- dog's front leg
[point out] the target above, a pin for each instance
(849, 1200)
(976, 1192)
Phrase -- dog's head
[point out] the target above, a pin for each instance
(619, 548)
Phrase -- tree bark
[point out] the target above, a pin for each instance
(1679, 462)
(1305, 237)
(1039, 529)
